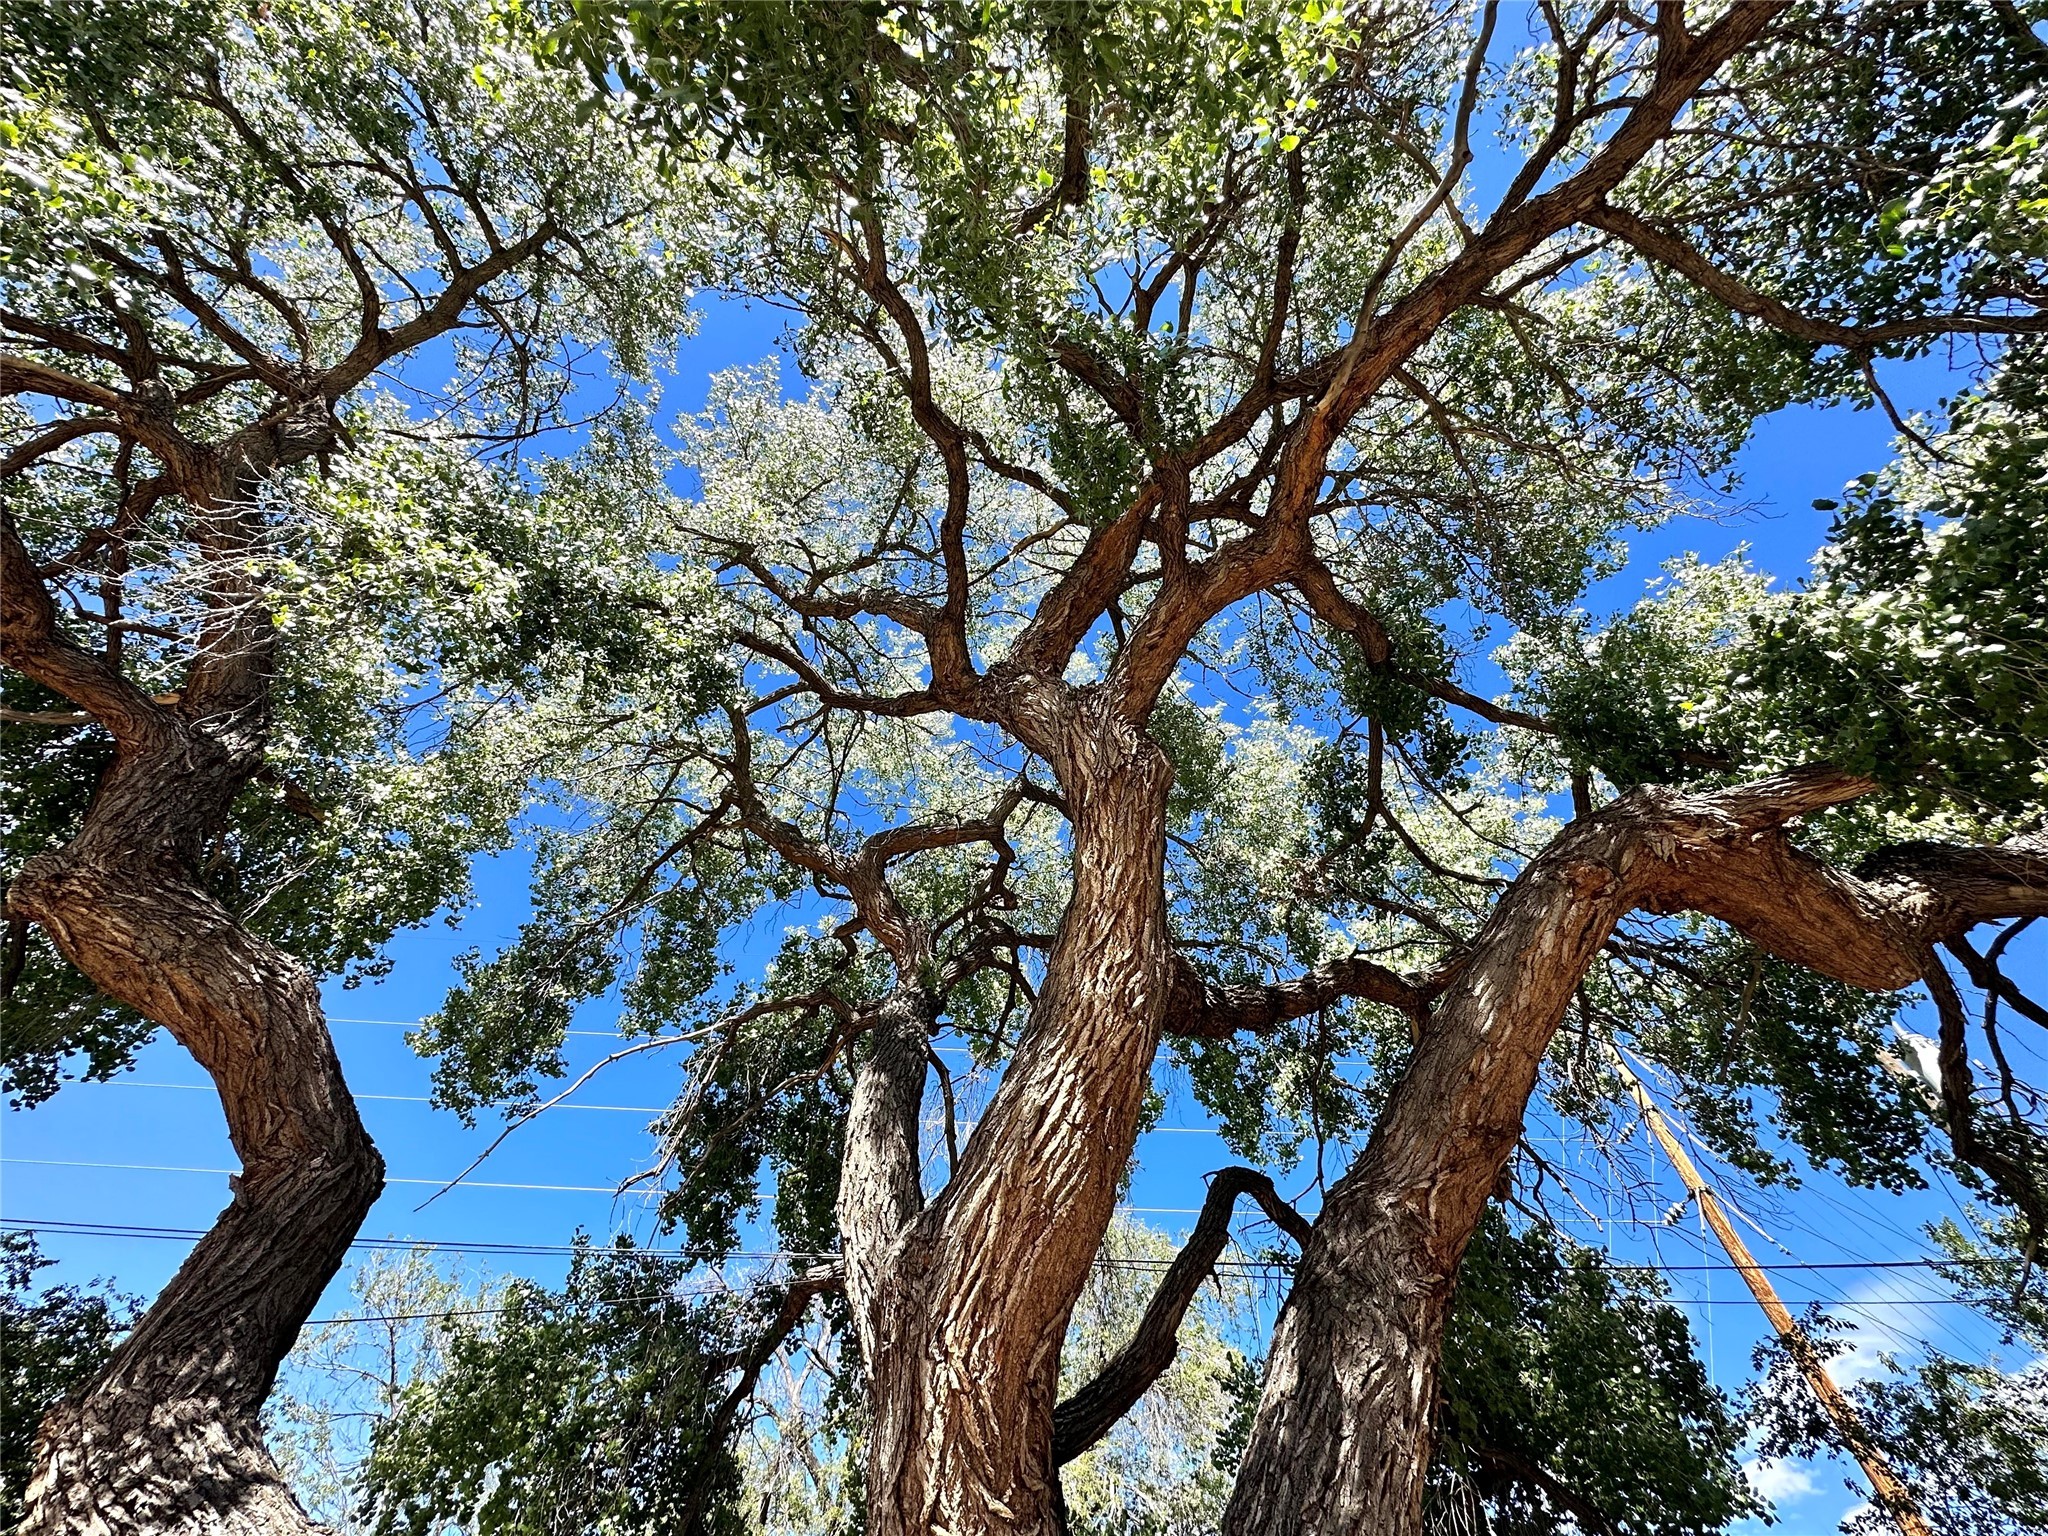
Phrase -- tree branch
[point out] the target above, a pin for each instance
(32, 643)
(1662, 245)
(1094, 1410)
(1201, 1009)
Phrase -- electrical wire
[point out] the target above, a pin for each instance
(621, 1109)
(62, 1226)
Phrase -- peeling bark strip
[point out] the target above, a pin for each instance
(1345, 1433)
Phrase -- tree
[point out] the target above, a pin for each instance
(351, 1372)
(592, 1408)
(1163, 357)
(247, 695)
(1572, 1393)
(1274, 385)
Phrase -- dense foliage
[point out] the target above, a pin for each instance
(164, 167)
(1556, 1361)
(568, 1411)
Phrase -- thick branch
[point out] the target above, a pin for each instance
(1203, 1009)
(51, 440)
(2011, 1155)
(1871, 929)
(797, 1297)
(32, 643)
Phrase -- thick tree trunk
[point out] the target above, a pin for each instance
(962, 1332)
(1344, 1435)
(168, 1437)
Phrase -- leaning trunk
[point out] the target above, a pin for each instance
(962, 1332)
(168, 1437)
(1345, 1431)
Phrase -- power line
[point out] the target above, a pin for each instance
(565, 1189)
(407, 1317)
(59, 1226)
(622, 1109)
(577, 1034)
(408, 1098)
(559, 1189)
(612, 1034)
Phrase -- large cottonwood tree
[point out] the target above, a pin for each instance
(1164, 350)
(259, 601)
(1162, 355)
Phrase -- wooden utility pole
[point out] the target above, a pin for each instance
(1892, 1495)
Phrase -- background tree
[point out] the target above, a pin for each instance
(245, 709)
(597, 1407)
(350, 1372)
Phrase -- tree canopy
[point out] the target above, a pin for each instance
(1151, 617)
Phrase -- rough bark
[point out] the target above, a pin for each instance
(167, 1438)
(1344, 1433)
(962, 1308)
(963, 1330)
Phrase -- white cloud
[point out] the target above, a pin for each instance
(1779, 1481)
(1892, 1315)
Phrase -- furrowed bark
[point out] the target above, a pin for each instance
(965, 1343)
(168, 1437)
(879, 1195)
(1344, 1433)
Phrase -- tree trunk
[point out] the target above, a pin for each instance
(963, 1333)
(1344, 1435)
(168, 1437)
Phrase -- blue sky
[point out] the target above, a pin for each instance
(149, 1149)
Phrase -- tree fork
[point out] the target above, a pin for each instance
(967, 1323)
